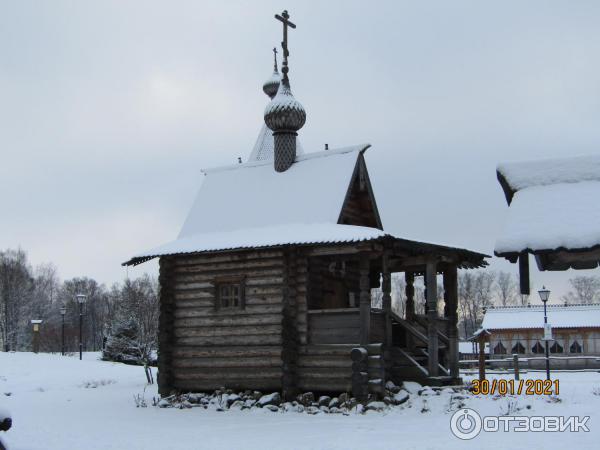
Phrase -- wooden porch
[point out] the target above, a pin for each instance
(358, 348)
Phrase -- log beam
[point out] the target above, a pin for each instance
(365, 302)
(451, 313)
(432, 315)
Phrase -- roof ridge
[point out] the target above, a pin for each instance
(549, 305)
(299, 158)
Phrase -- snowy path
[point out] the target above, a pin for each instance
(52, 409)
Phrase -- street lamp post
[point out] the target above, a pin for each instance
(63, 311)
(81, 300)
(544, 296)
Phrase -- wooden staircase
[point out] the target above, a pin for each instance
(408, 356)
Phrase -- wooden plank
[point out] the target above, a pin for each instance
(261, 384)
(264, 339)
(226, 331)
(326, 350)
(210, 311)
(229, 256)
(326, 373)
(226, 351)
(325, 361)
(263, 263)
(228, 373)
(229, 320)
(219, 364)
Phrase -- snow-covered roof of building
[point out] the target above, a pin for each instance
(525, 174)
(261, 237)
(559, 316)
(553, 205)
(253, 195)
(252, 205)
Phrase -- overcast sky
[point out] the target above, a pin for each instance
(109, 109)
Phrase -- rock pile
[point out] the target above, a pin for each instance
(226, 399)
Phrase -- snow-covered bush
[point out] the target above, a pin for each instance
(127, 346)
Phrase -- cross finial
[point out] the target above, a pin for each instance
(285, 19)
(275, 59)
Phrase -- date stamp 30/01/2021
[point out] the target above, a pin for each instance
(515, 387)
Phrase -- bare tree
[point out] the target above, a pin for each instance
(584, 290)
(16, 285)
(506, 289)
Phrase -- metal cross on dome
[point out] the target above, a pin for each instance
(285, 19)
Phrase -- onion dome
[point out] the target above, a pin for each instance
(272, 84)
(285, 113)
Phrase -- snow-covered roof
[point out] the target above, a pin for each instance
(559, 316)
(254, 195)
(522, 175)
(264, 147)
(252, 205)
(565, 215)
(553, 204)
(268, 236)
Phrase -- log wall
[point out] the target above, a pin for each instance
(238, 348)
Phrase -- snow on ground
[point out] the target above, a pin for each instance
(63, 403)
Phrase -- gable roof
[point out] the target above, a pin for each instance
(252, 205)
(553, 206)
(253, 195)
(559, 316)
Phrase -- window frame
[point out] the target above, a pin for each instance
(239, 283)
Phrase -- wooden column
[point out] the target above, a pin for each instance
(432, 338)
(482, 356)
(289, 354)
(451, 312)
(524, 273)
(386, 287)
(410, 295)
(165, 327)
(365, 302)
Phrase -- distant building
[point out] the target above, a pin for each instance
(519, 329)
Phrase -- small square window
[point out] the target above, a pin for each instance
(229, 295)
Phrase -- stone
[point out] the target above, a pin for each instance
(249, 403)
(324, 408)
(270, 399)
(376, 406)
(273, 408)
(232, 398)
(256, 395)
(163, 403)
(335, 410)
(307, 398)
(400, 397)
(334, 403)
(343, 398)
(324, 400)
(412, 387)
(351, 403)
(360, 409)
(390, 386)
(299, 408)
(312, 410)
(238, 404)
